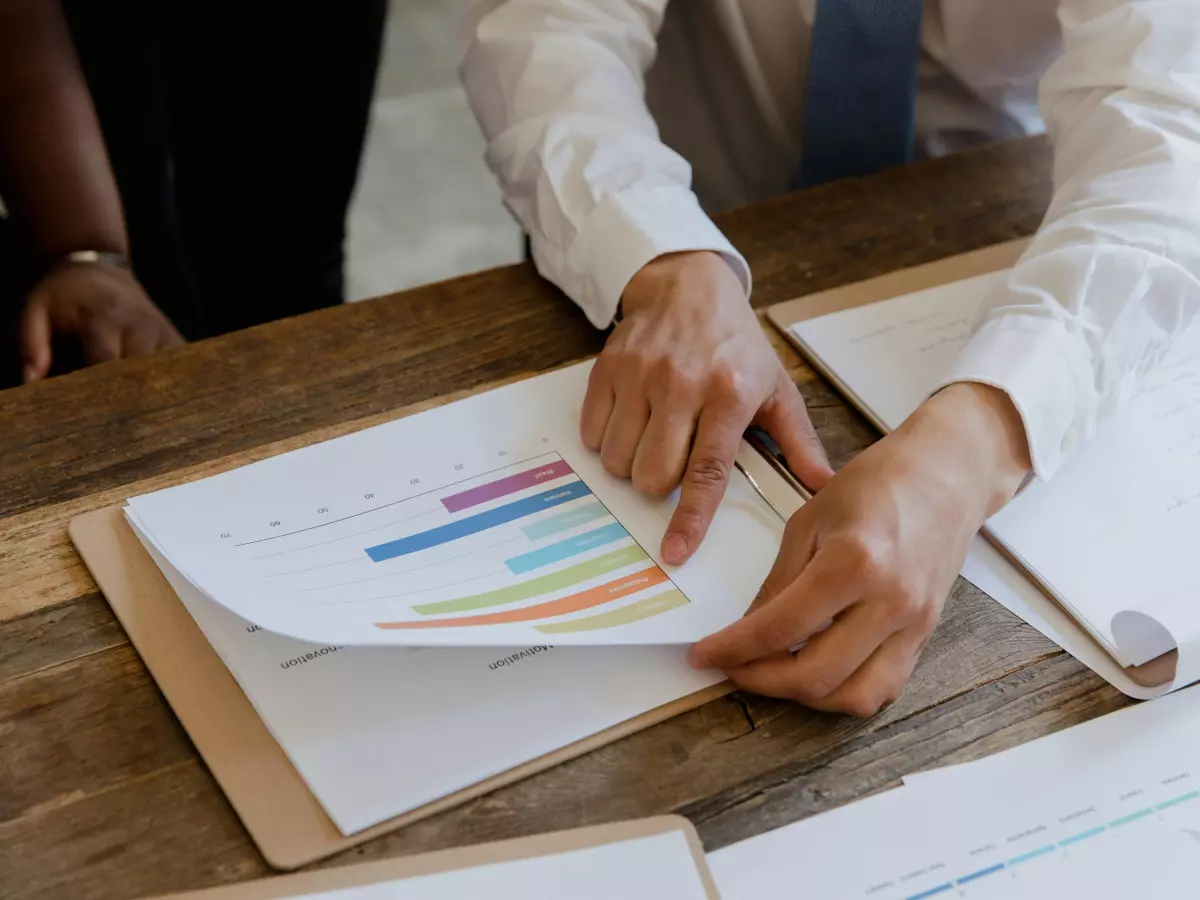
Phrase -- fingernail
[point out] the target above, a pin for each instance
(695, 658)
(29, 373)
(674, 549)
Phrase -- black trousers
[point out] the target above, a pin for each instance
(235, 131)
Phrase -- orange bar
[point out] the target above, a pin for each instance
(614, 590)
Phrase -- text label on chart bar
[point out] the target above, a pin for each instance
(502, 487)
(565, 549)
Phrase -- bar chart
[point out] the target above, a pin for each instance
(482, 522)
(527, 542)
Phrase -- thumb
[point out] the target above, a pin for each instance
(35, 342)
(786, 420)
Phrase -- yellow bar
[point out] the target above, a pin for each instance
(642, 609)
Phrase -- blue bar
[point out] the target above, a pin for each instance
(572, 546)
(491, 518)
(977, 875)
(1033, 854)
(1083, 835)
(940, 889)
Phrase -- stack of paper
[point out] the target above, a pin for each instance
(1110, 808)
(483, 538)
(1112, 535)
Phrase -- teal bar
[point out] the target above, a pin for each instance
(1183, 799)
(1032, 854)
(1140, 814)
(572, 546)
(572, 518)
(1082, 836)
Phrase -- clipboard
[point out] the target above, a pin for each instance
(284, 819)
(1151, 674)
(445, 861)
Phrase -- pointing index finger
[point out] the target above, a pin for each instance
(718, 436)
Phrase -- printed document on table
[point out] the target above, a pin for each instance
(483, 522)
(1113, 533)
(1108, 809)
(645, 868)
(378, 731)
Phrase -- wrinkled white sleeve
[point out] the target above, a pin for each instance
(1113, 276)
(558, 88)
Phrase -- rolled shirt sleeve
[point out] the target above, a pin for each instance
(558, 88)
(1113, 276)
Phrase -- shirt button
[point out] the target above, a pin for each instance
(1069, 440)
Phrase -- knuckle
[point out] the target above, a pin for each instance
(615, 464)
(903, 604)
(708, 471)
(730, 387)
(925, 617)
(655, 483)
(673, 379)
(816, 687)
(771, 634)
(862, 703)
(863, 557)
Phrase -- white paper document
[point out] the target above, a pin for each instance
(484, 522)
(1110, 809)
(645, 868)
(1112, 536)
(378, 731)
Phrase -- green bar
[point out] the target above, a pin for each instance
(1132, 817)
(542, 528)
(1032, 854)
(1181, 799)
(634, 612)
(555, 581)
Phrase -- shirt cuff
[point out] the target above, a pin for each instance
(1045, 374)
(629, 229)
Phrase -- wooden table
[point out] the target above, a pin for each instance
(102, 795)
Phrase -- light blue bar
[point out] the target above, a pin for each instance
(974, 876)
(1132, 817)
(1082, 836)
(940, 889)
(572, 546)
(565, 521)
(1183, 799)
(1033, 854)
(491, 518)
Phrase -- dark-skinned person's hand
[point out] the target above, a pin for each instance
(102, 306)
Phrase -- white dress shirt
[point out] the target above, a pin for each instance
(615, 125)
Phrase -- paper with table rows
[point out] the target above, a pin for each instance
(1112, 535)
(1108, 809)
(483, 522)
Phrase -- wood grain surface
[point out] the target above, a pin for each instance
(101, 794)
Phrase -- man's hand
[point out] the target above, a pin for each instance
(102, 305)
(683, 375)
(866, 565)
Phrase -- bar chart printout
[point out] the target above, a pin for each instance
(524, 544)
(484, 522)
(1107, 809)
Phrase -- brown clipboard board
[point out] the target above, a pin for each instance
(456, 859)
(284, 819)
(907, 281)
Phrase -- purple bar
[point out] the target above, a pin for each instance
(509, 485)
